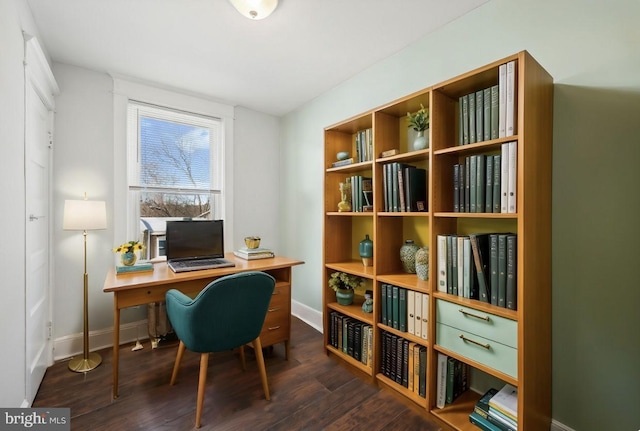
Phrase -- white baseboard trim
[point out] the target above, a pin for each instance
(307, 314)
(72, 345)
(557, 426)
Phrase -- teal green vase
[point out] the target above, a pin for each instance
(344, 296)
(366, 251)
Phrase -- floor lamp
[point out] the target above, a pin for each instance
(85, 215)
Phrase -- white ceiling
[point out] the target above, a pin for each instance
(275, 65)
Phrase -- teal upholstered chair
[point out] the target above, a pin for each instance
(227, 314)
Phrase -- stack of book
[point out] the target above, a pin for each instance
(254, 253)
(497, 410)
(137, 267)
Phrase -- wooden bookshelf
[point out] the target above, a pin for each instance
(342, 231)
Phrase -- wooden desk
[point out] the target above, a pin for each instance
(145, 287)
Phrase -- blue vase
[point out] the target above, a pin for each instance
(344, 296)
(128, 258)
(366, 251)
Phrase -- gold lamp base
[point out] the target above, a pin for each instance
(82, 365)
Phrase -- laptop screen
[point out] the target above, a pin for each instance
(192, 239)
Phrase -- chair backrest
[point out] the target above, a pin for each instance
(227, 313)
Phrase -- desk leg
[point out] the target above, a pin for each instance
(116, 345)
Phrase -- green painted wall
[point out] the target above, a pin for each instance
(591, 49)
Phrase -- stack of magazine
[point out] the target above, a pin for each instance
(254, 253)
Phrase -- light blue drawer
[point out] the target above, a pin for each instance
(487, 352)
(486, 325)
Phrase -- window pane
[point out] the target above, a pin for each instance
(174, 155)
(175, 205)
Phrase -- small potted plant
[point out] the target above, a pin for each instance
(419, 122)
(128, 252)
(344, 284)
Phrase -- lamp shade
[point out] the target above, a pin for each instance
(84, 215)
(255, 9)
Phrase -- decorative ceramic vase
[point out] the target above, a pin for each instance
(345, 197)
(366, 251)
(422, 263)
(129, 258)
(344, 296)
(421, 141)
(367, 305)
(408, 256)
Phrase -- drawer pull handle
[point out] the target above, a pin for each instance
(273, 328)
(466, 313)
(274, 309)
(486, 346)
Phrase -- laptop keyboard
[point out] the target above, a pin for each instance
(188, 265)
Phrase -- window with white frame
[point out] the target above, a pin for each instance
(175, 168)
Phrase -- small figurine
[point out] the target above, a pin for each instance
(367, 305)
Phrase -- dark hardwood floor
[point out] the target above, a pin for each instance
(310, 391)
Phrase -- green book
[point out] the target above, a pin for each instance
(493, 267)
(479, 116)
(460, 122)
(482, 422)
(481, 183)
(472, 118)
(422, 373)
(497, 181)
(467, 184)
(488, 193)
(502, 270)
(402, 309)
(389, 305)
(486, 127)
(465, 119)
(451, 379)
(495, 112)
(395, 306)
(473, 186)
(512, 286)
(383, 303)
(138, 267)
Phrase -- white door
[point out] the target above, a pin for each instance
(38, 128)
(37, 137)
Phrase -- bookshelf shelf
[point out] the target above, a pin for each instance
(453, 146)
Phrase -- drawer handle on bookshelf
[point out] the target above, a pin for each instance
(466, 313)
(273, 328)
(486, 346)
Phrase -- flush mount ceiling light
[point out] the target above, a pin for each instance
(255, 9)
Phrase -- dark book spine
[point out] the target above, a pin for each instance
(399, 359)
(383, 303)
(472, 118)
(405, 363)
(487, 114)
(512, 271)
(479, 116)
(479, 246)
(497, 181)
(493, 267)
(502, 270)
(488, 198)
(456, 188)
(402, 309)
(481, 182)
(422, 372)
(465, 119)
(395, 306)
(473, 185)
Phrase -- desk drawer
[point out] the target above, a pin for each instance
(486, 325)
(485, 351)
(276, 324)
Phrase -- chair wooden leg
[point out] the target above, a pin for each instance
(202, 380)
(176, 366)
(257, 346)
(242, 361)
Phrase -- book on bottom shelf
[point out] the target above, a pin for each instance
(505, 404)
(482, 422)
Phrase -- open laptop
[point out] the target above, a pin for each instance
(195, 244)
